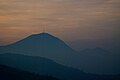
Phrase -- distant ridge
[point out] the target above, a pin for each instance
(43, 66)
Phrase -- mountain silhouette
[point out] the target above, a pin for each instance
(9, 73)
(46, 45)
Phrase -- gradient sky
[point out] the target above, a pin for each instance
(80, 23)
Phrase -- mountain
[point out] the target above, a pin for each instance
(9, 73)
(40, 66)
(46, 45)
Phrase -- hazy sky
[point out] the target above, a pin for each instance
(80, 23)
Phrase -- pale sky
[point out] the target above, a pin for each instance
(80, 23)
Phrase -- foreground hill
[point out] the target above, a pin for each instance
(40, 66)
(43, 66)
(8, 73)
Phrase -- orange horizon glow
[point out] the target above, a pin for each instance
(71, 20)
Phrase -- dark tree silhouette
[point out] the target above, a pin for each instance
(8, 73)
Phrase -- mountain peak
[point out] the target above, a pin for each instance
(42, 34)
